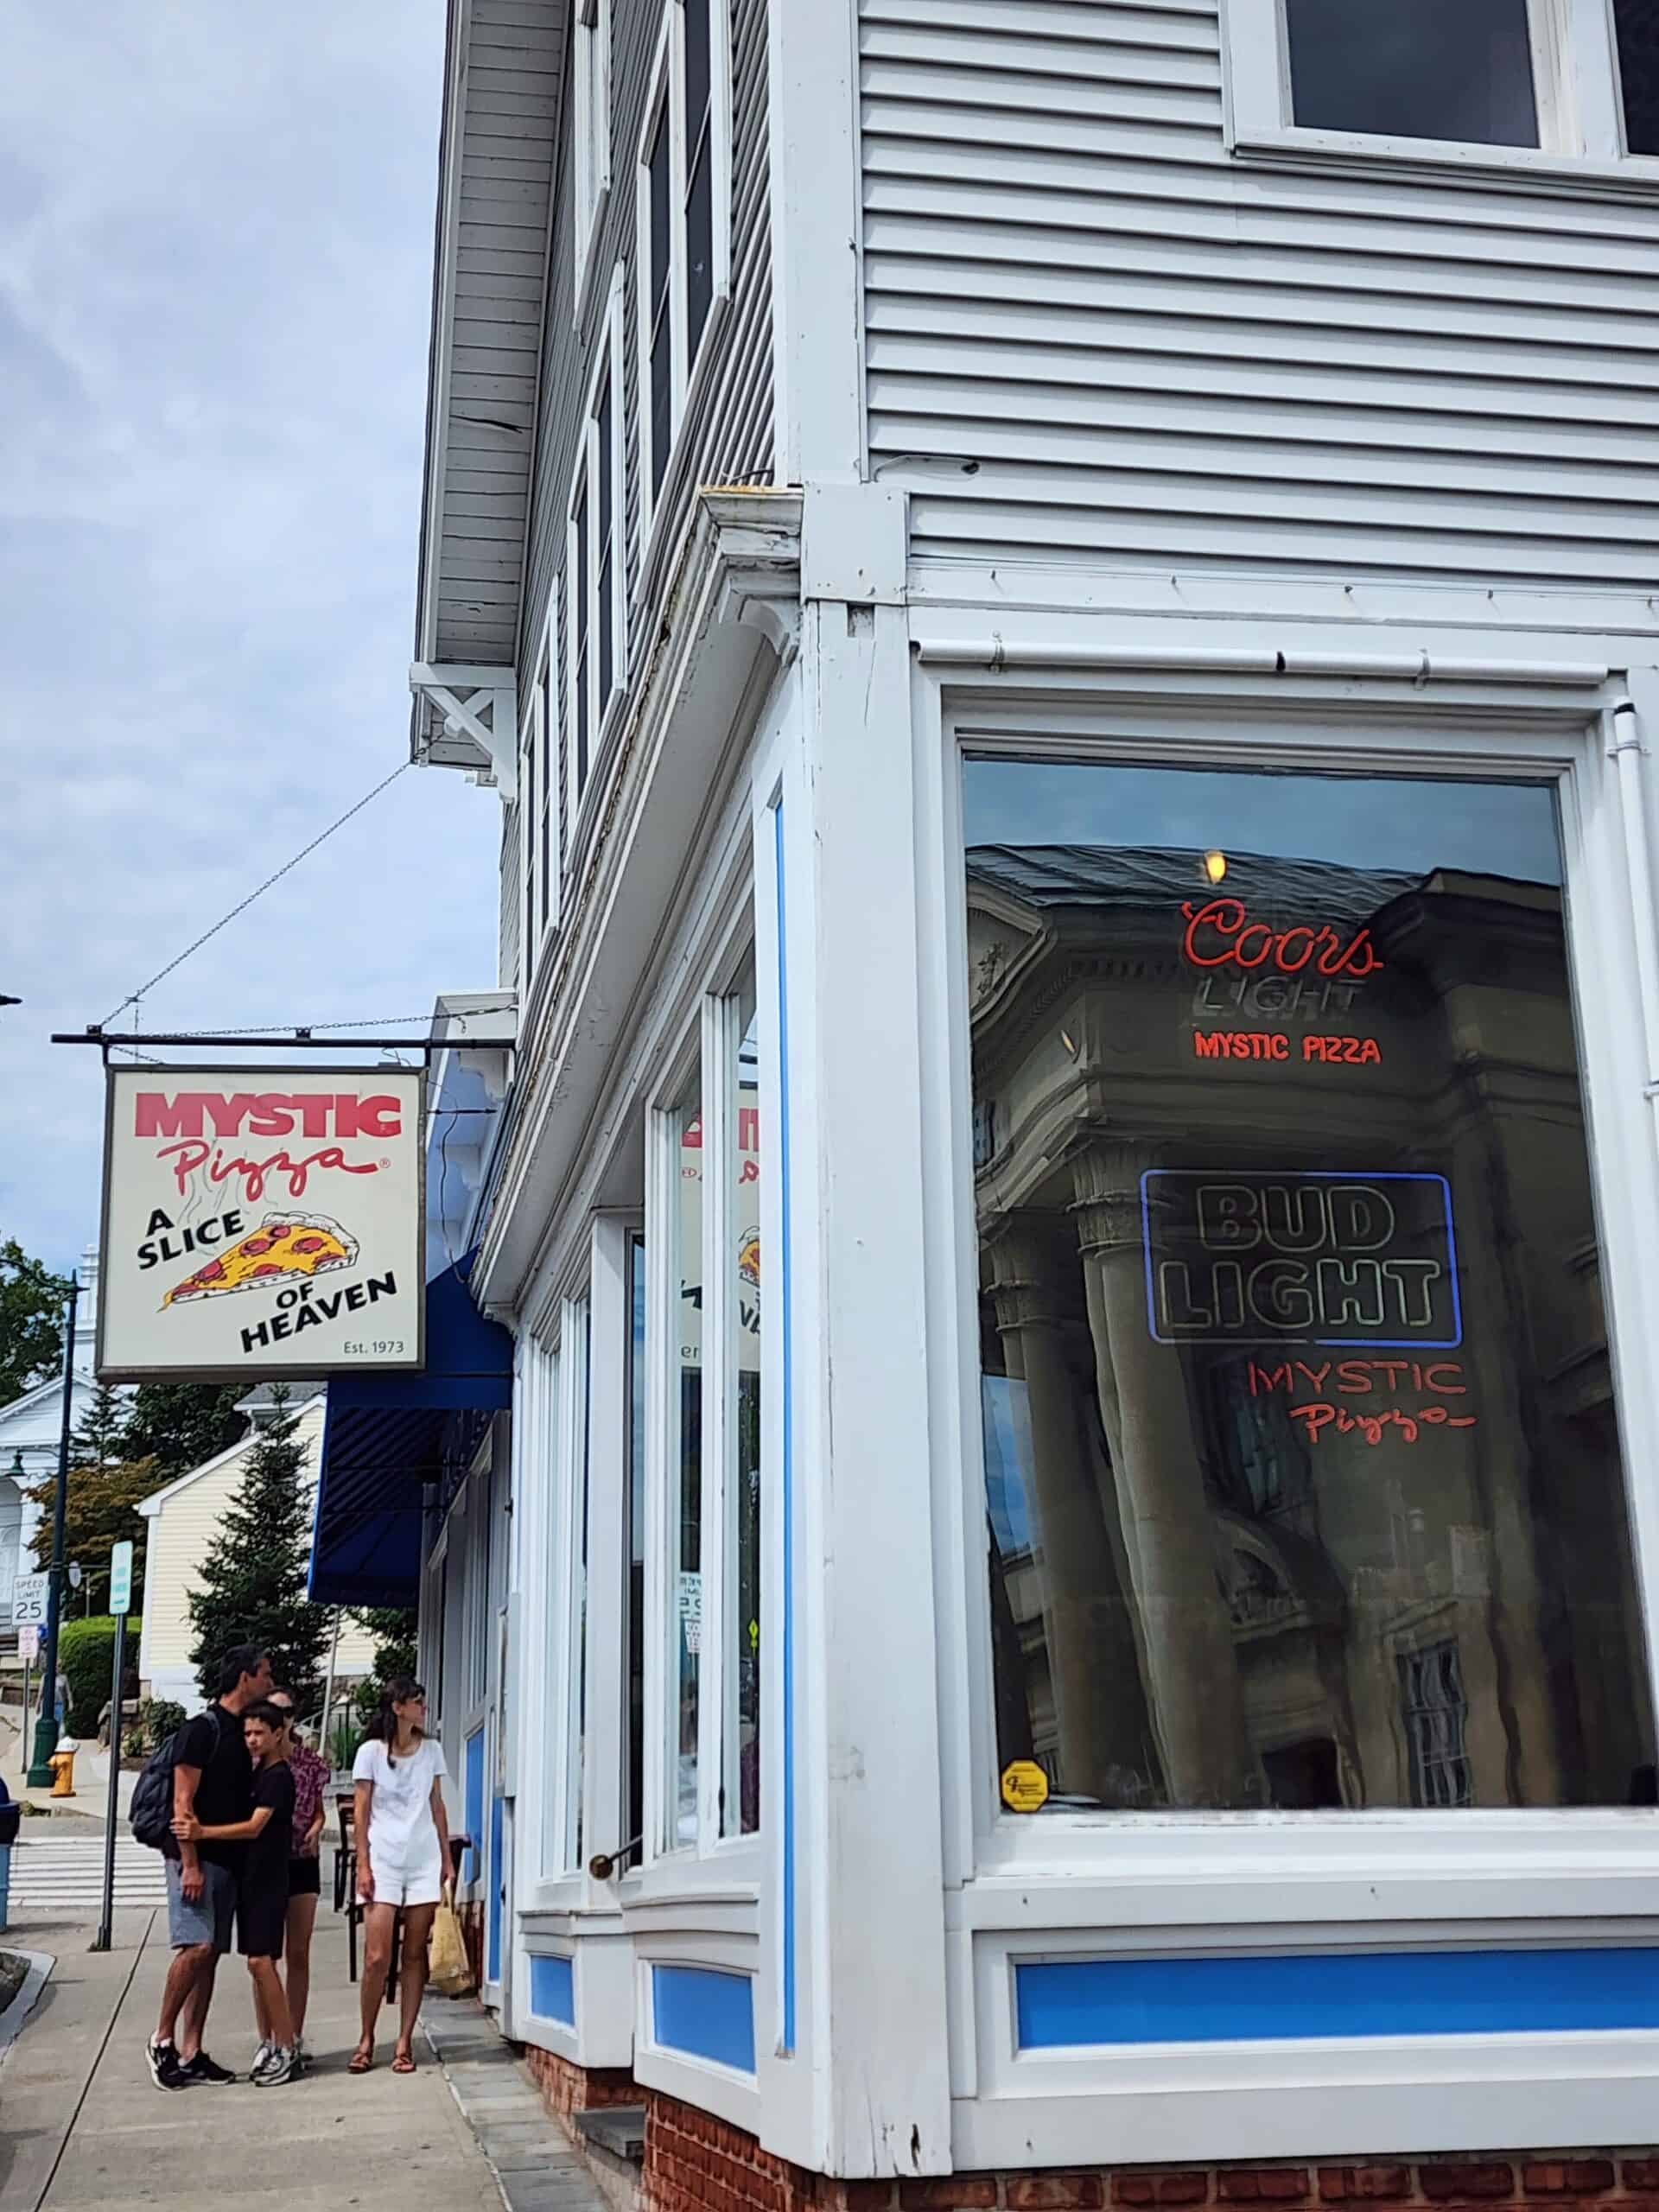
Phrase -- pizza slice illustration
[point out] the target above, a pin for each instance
(284, 1248)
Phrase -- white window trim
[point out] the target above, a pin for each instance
(1580, 116)
(602, 716)
(591, 82)
(668, 84)
(1274, 1869)
(529, 825)
(667, 1866)
(1058, 1887)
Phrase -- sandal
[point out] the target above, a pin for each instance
(360, 2062)
(404, 2062)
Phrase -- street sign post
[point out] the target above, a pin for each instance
(29, 1646)
(120, 1605)
(29, 1600)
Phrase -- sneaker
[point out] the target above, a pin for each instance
(166, 2069)
(277, 2067)
(301, 2058)
(261, 2055)
(203, 2069)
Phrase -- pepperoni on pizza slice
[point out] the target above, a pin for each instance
(284, 1247)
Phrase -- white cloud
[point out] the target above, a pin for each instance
(215, 246)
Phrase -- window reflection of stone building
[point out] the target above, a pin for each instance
(1204, 1594)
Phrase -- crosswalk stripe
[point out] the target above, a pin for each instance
(53, 1877)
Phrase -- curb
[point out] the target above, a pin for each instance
(40, 1964)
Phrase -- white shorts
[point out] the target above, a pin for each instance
(419, 1881)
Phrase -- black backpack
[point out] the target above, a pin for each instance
(150, 1813)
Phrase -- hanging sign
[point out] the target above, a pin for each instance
(261, 1223)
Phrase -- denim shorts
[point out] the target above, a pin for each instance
(209, 1918)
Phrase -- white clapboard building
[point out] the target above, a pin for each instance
(1059, 598)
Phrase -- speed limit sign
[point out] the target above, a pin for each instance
(29, 1600)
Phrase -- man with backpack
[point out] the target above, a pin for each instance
(212, 1782)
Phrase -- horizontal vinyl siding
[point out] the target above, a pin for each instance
(181, 1534)
(514, 54)
(511, 894)
(1093, 339)
(726, 437)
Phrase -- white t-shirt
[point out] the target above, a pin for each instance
(401, 1829)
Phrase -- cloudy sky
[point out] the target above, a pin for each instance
(215, 266)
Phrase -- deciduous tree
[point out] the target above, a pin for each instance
(31, 1321)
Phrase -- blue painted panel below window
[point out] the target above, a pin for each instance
(705, 2013)
(553, 1990)
(473, 1794)
(1064, 2004)
(497, 1877)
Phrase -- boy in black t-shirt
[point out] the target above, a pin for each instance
(261, 1897)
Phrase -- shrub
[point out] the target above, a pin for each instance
(86, 1654)
(158, 1717)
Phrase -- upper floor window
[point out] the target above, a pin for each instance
(1637, 26)
(1415, 69)
(591, 130)
(539, 812)
(684, 203)
(1538, 84)
(593, 595)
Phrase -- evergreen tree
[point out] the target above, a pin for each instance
(253, 1578)
(99, 1438)
(182, 1425)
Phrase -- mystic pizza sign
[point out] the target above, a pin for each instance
(261, 1223)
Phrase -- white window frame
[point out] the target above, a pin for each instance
(602, 713)
(1066, 1884)
(707, 1049)
(667, 86)
(1247, 1866)
(591, 135)
(1580, 113)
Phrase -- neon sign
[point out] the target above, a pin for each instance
(1329, 1258)
(1220, 934)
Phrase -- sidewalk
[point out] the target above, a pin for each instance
(92, 1779)
(84, 2127)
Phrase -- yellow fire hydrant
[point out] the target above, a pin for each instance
(62, 1764)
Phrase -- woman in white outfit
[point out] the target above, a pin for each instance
(403, 1860)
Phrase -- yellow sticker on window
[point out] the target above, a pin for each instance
(1025, 1786)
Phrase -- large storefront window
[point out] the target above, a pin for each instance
(685, 1465)
(741, 1724)
(1304, 1486)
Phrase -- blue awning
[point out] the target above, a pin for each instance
(387, 1434)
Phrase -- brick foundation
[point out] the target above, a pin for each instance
(695, 2163)
(567, 2089)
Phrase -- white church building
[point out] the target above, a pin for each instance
(30, 1430)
